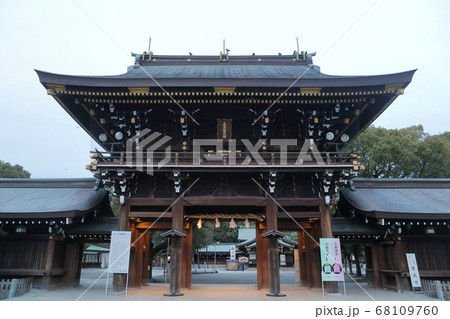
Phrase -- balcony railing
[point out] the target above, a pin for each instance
(224, 159)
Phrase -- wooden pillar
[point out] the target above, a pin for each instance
(301, 254)
(176, 250)
(145, 257)
(402, 282)
(71, 264)
(136, 257)
(327, 232)
(187, 258)
(48, 264)
(376, 251)
(261, 258)
(120, 280)
(273, 253)
(313, 257)
(79, 263)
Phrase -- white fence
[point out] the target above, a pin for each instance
(436, 289)
(10, 288)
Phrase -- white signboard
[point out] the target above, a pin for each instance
(413, 270)
(331, 259)
(119, 252)
(297, 266)
(282, 260)
(233, 252)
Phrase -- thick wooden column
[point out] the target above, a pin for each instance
(71, 264)
(403, 283)
(274, 256)
(301, 254)
(120, 280)
(48, 264)
(79, 264)
(136, 257)
(176, 250)
(262, 258)
(313, 257)
(376, 251)
(145, 257)
(187, 258)
(327, 232)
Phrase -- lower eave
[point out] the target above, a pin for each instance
(405, 216)
(41, 215)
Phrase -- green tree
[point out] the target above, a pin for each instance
(403, 153)
(225, 234)
(434, 157)
(12, 171)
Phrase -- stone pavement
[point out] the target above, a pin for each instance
(213, 287)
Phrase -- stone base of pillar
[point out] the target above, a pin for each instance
(174, 294)
(276, 295)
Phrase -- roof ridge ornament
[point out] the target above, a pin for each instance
(224, 53)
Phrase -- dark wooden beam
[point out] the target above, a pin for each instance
(154, 225)
(224, 201)
(150, 214)
(295, 215)
(32, 272)
(291, 225)
(299, 201)
(140, 201)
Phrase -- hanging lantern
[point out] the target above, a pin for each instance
(232, 223)
(217, 223)
(247, 223)
(199, 224)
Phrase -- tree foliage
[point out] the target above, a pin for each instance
(403, 153)
(209, 234)
(12, 171)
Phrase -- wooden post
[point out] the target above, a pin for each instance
(261, 258)
(79, 264)
(71, 264)
(48, 264)
(145, 257)
(274, 256)
(313, 257)
(376, 251)
(187, 259)
(120, 280)
(135, 258)
(403, 282)
(301, 254)
(176, 250)
(327, 232)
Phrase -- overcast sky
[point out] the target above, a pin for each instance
(60, 37)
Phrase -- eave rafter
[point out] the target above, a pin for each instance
(216, 92)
